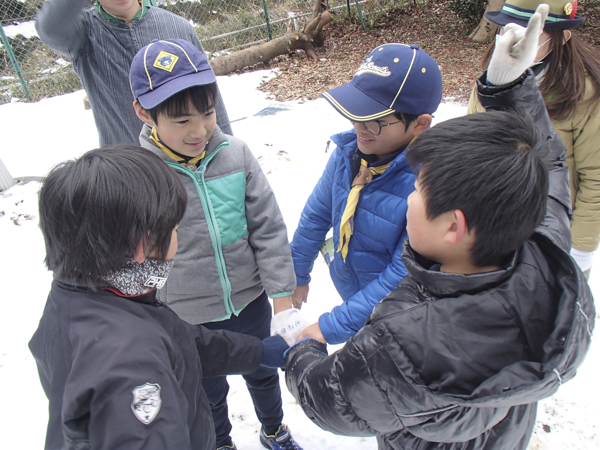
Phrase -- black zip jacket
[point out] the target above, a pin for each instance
(451, 361)
(126, 373)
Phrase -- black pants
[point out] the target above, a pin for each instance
(263, 385)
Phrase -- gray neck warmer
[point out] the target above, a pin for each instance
(137, 279)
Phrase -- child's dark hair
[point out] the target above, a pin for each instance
(408, 118)
(493, 167)
(201, 97)
(95, 210)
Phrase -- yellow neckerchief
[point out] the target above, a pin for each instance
(364, 176)
(154, 137)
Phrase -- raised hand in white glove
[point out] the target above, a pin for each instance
(583, 259)
(516, 49)
(288, 324)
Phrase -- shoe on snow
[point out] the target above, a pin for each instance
(282, 440)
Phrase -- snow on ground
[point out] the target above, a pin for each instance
(291, 146)
(25, 29)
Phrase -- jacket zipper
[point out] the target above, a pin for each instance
(211, 221)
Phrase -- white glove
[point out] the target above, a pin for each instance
(583, 259)
(516, 49)
(288, 324)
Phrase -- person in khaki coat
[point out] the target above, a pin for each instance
(568, 75)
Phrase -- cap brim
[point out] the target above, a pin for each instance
(353, 104)
(502, 19)
(160, 94)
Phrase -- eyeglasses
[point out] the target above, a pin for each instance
(374, 127)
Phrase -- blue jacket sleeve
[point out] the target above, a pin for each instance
(314, 223)
(345, 320)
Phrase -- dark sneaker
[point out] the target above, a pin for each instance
(228, 447)
(282, 440)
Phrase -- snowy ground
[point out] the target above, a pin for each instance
(291, 146)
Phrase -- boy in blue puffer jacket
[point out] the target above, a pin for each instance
(363, 192)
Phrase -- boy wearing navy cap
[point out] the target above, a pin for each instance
(363, 192)
(233, 246)
(494, 314)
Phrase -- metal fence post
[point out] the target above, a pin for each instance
(14, 62)
(6, 180)
(267, 19)
(361, 17)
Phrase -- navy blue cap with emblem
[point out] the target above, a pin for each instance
(165, 67)
(394, 78)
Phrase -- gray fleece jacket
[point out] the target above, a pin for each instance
(101, 53)
(232, 239)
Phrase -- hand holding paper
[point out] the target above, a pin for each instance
(288, 324)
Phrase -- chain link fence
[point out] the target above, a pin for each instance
(29, 70)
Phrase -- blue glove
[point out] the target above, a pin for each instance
(273, 349)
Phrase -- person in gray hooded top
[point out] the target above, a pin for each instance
(233, 246)
(101, 43)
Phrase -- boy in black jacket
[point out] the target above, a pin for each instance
(120, 369)
(494, 315)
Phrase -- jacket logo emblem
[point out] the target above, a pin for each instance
(369, 67)
(155, 282)
(165, 61)
(146, 402)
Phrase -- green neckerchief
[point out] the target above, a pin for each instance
(114, 19)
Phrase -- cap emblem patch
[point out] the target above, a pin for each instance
(165, 61)
(571, 9)
(369, 67)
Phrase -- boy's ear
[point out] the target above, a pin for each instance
(142, 113)
(422, 123)
(139, 255)
(457, 228)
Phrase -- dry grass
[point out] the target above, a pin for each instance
(431, 25)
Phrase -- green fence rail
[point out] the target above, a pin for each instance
(29, 70)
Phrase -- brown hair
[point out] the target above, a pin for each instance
(563, 86)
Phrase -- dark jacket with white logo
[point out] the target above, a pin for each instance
(127, 372)
(451, 361)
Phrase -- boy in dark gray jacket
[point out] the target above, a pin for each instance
(233, 242)
(101, 43)
(119, 368)
(494, 314)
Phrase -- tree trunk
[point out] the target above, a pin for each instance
(485, 31)
(292, 40)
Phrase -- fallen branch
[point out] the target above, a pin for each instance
(305, 39)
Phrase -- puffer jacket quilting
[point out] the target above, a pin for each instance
(373, 266)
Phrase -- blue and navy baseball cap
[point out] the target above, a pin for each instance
(394, 78)
(163, 68)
